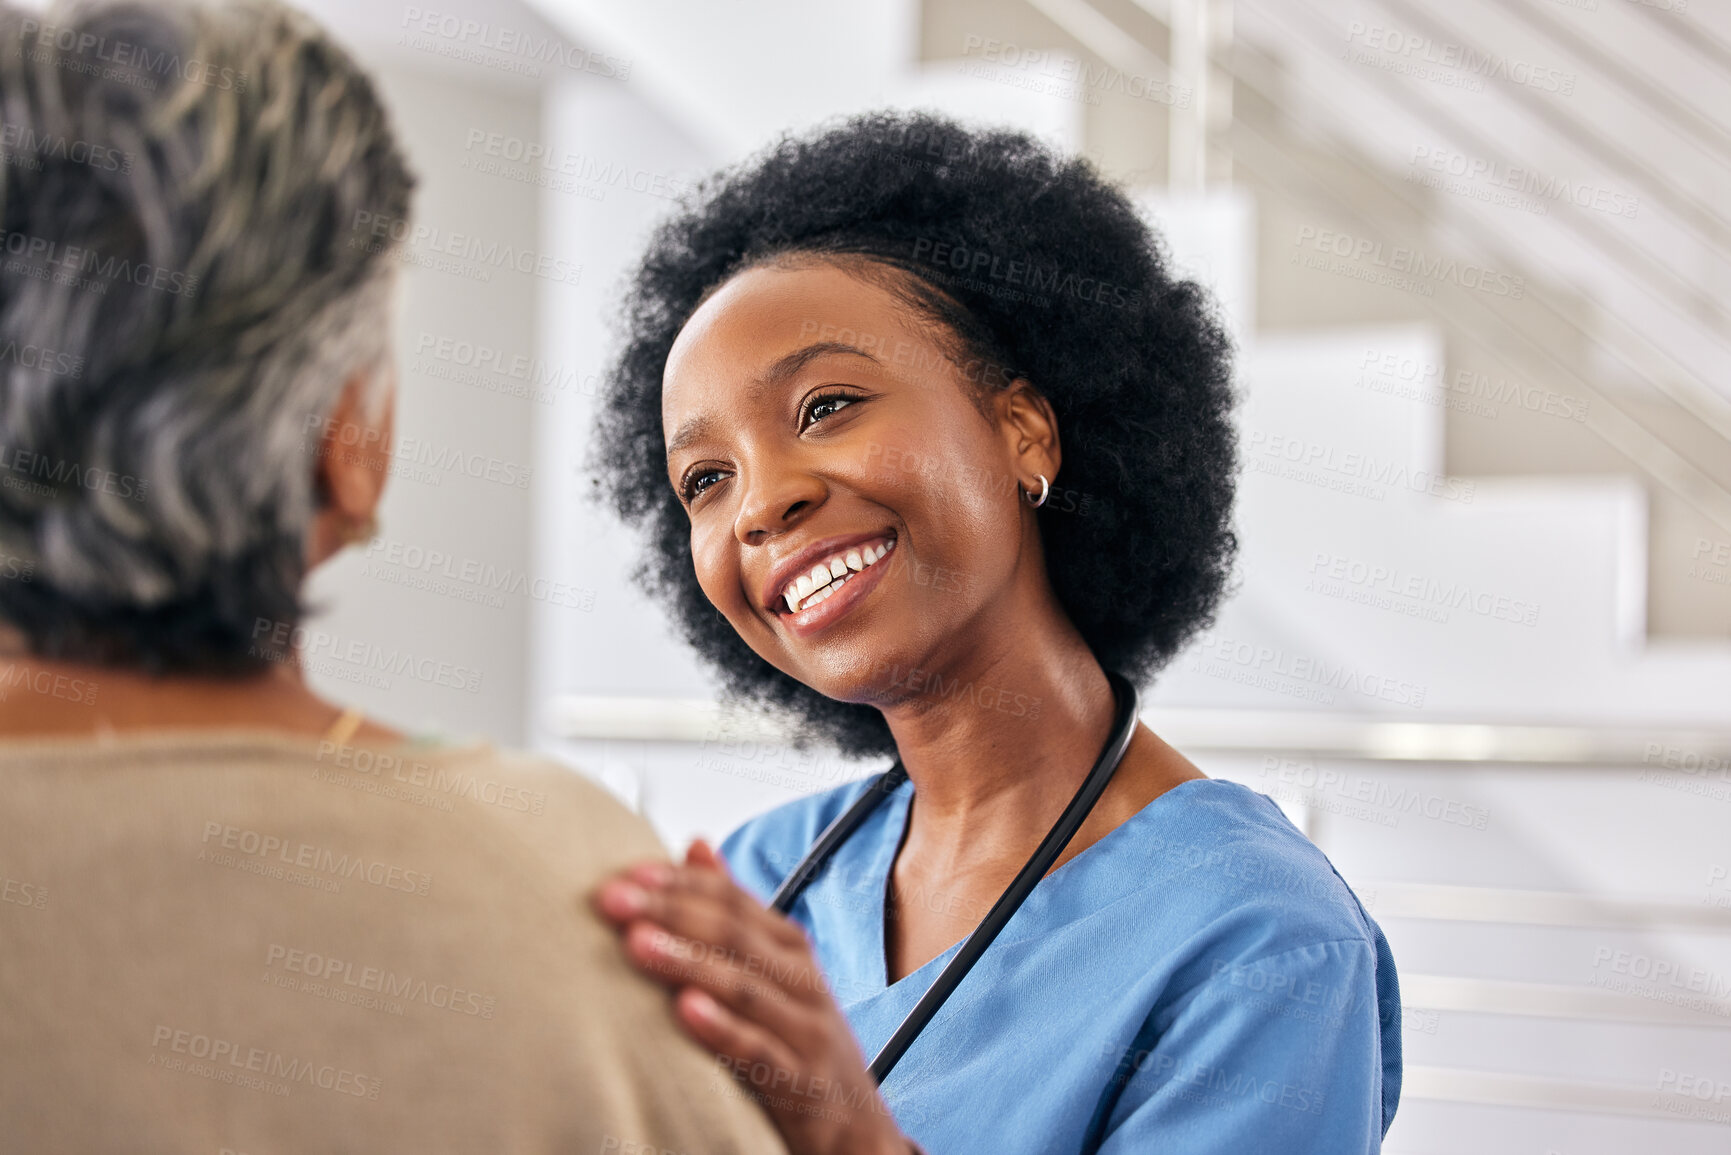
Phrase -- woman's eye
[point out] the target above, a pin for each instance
(700, 480)
(827, 405)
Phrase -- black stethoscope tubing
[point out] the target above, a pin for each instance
(1127, 706)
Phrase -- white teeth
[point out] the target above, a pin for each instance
(812, 587)
(821, 595)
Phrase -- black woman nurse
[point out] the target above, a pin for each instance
(934, 456)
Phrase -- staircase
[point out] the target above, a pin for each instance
(1478, 645)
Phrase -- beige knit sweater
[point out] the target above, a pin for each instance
(246, 943)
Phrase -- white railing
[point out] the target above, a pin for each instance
(594, 718)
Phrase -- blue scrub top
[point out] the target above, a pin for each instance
(1200, 981)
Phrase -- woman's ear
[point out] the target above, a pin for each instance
(1031, 431)
(352, 459)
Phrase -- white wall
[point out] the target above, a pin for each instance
(463, 541)
(708, 83)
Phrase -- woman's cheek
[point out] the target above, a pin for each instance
(892, 458)
(714, 556)
(718, 570)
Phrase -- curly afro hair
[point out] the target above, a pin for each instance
(1029, 261)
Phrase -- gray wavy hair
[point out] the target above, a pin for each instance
(183, 294)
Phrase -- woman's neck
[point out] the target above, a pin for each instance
(998, 740)
(43, 697)
(996, 744)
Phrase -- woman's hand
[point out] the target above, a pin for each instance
(750, 990)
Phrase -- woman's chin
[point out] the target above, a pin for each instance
(874, 677)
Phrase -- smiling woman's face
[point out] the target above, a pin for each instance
(813, 420)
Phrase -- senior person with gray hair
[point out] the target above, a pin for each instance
(227, 920)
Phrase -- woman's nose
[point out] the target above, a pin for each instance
(774, 499)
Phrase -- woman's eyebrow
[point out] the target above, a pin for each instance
(791, 363)
(777, 374)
